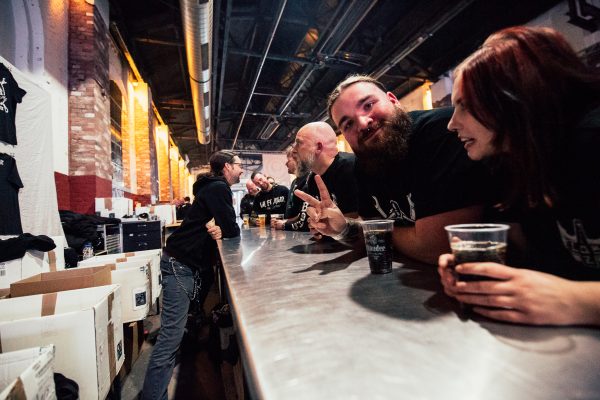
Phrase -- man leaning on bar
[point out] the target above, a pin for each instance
(408, 168)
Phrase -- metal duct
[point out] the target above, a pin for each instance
(196, 16)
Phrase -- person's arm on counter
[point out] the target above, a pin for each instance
(424, 241)
(522, 295)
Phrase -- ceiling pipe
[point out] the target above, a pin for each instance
(223, 60)
(347, 17)
(260, 67)
(196, 16)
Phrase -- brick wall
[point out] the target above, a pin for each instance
(142, 121)
(63, 191)
(89, 135)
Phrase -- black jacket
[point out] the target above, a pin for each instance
(191, 244)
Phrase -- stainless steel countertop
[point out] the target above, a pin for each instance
(313, 323)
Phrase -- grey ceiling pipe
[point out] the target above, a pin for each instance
(197, 16)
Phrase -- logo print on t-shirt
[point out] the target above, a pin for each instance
(583, 249)
(3, 97)
(395, 212)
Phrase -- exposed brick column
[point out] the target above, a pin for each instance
(162, 156)
(175, 177)
(142, 123)
(90, 171)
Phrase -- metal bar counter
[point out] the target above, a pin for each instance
(314, 323)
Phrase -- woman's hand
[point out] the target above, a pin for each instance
(516, 295)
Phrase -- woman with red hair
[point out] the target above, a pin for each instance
(526, 104)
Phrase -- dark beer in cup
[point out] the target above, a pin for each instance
(477, 243)
(378, 241)
(379, 250)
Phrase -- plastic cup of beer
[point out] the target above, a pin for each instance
(262, 219)
(246, 219)
(477, 243)
(275, 217)
(378, 241)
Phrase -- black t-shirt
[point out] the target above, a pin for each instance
(565, 239)
(341, 183)
(436, 176)
(246, 204)
(10, 95)
(272, 202)
(294, 203)
(10, 183)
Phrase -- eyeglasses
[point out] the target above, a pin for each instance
(238, 163)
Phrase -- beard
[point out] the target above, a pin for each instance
(302, 168)
(305, 166)
(390, 147)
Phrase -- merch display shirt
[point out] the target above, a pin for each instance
(10, 183)
(10, 95)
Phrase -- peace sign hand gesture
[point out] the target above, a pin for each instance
(324, 215)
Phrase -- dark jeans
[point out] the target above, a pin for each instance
(173, 318)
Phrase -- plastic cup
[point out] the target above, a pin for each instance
(262, 219)
(246, 219)
(378, 241)
(477, 243)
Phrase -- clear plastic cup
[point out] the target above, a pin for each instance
(378, 241)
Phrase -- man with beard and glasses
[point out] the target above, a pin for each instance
(408, 169)
(316, 149)
(294, 203)
(187, 258)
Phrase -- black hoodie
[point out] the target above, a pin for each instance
(191, 244)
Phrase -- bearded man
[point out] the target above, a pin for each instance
(409, 168)
(316, 150)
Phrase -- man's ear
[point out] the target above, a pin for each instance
(391, 97)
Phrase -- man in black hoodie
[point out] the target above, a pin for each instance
(187, 254)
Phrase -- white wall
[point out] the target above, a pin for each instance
(35, 40)
(557, 18)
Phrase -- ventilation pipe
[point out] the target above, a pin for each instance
(196, 16)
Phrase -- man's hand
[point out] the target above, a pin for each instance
(214, 231)
(278, 223)
(515, 295)
(324, 215)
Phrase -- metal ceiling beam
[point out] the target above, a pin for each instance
(418, 39)
(352, 15)
(260, 67)
(158, 41)
(328, 62)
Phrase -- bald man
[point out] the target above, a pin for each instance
(316, 148)
(248, 199)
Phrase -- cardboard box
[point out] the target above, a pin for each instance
(118, 205)
(152, 255)
(10, 271)
(69, 279)
(27, 374)
(134, 278)
(35, 262)
(84, 325)
(133, 337)
(165, 212)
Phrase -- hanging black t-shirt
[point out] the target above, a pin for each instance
(272, 202)
(436, 176)
(10, 183)
(10, 95)
(341, 184)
